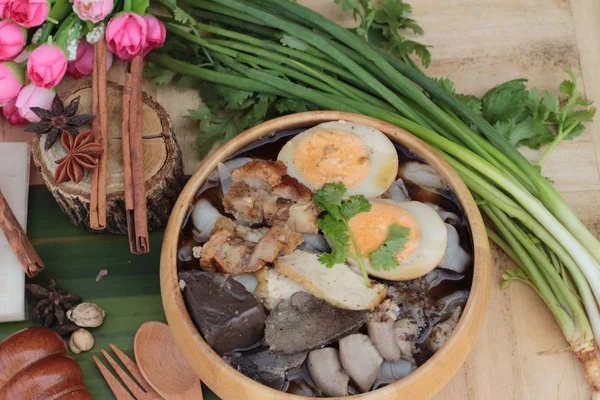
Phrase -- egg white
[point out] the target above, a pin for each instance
(383, 158)
(431, 247)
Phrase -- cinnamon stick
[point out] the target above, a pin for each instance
(133, 160)
(28, 257)
(100, 128)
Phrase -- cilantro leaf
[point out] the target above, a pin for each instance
(355, 205)
(329, 198)
(505, 101)
(347, 5)
(181, 16)
(333, 258)
(385, 257)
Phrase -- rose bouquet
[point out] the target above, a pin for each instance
(41, 41)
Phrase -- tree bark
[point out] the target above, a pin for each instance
(163, 167)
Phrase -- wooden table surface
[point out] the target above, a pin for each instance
(521, 353)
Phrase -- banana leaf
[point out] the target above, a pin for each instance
(130, 294)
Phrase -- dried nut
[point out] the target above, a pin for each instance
(86, 315)
(81, 340)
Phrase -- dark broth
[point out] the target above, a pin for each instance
(267, 149)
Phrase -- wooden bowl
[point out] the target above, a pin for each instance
(230, 384)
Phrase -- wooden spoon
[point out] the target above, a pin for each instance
(162, 364)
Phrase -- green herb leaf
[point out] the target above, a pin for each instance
(329, 198)
(506, 101)
(334, 224)
(181, 16)
(355, 205)
(385, 257)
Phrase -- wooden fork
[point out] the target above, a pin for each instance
(145, 392)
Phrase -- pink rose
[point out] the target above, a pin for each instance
(11, 113)
(33, 96)
(84, 63)
(46, 66)
(126, 35)
(3, 7)
(28, 13)
(12, 79)
(12, 39)
(92, 10)
(156, 34)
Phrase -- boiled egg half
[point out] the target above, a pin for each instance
(361, 157)
(426, 243)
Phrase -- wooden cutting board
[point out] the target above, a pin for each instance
(14, 184)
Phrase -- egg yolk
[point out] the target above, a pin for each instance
(371, 228)
(332, 156)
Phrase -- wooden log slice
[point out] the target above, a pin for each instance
(163, 167)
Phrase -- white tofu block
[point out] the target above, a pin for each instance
(14, 183)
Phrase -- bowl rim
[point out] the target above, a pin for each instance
(225, 380)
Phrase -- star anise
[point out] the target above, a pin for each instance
(58, 119)
(82, 154)
(54, 303)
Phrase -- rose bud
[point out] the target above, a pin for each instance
(12, 39)
(46, 66)
(126, 35)
(27, 13)
(33, 96)
(84, 63)
(92, 10)
(12, 78)
(11, 113)
(156, 34)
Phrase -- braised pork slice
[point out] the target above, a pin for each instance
(280, 240)
(260, 174)
(237, 249)
(224, 254)
(262, 193)
(246, 202)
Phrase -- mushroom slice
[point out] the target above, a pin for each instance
(384, 337)
(360, 359)
(204, 217)
(455, 258)
(442, 331)
(327, 373)
(392, 371)
(422, 175)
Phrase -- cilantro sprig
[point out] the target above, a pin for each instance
(531, 118)
(383, 23)
(335, 226)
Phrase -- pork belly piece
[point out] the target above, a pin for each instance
(246, 202)
(226, 254)
(279, 240)
(262, 192)
(243, 232)
(237, 249)
(260, 174)
(291, 189)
